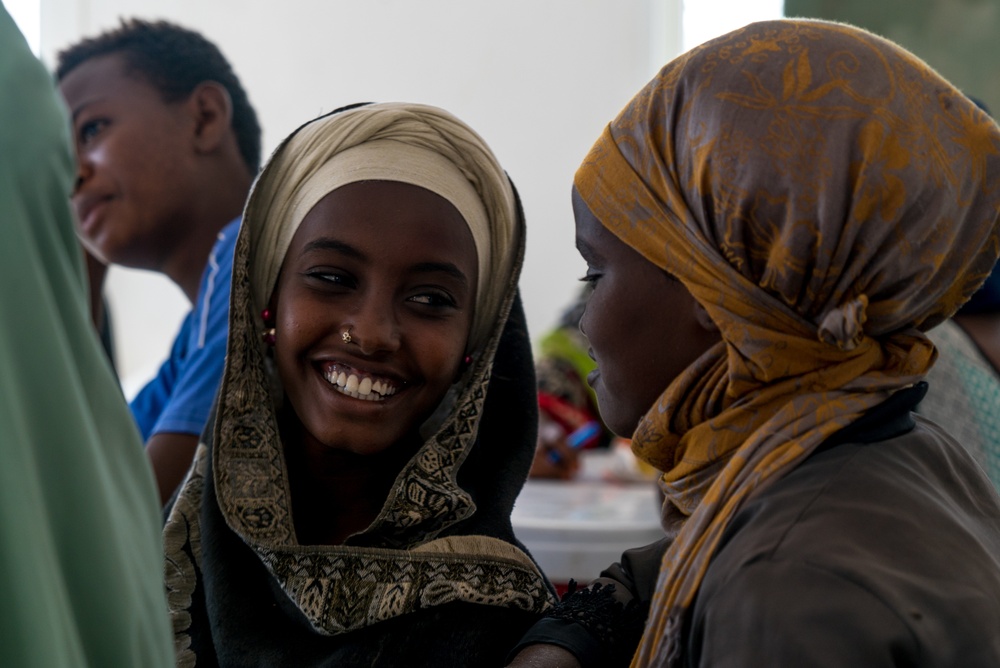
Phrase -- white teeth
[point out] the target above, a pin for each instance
(363, 397)
(365, 388)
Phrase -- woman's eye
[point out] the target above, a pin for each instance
(433, 299)
(331, 278)
(590, 277)
(91, 129)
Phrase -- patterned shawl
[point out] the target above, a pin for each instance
(444, 532)
(827, 197)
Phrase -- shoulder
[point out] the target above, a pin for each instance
(871, 501)
(219, 268)
(212, 307)
(225, 244)
(893, 541)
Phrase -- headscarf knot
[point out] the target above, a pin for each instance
(842, 326)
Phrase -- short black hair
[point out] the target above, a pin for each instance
(175, 61)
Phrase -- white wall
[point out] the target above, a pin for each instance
(537, 78)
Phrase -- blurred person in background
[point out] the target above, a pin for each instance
(566, 403)
(569, 423)
(167, 146)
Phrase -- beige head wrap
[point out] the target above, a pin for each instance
(416, 144)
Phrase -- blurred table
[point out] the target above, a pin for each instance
(575, 529)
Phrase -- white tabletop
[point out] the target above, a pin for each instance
(577, 528)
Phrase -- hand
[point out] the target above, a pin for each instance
(544, 656)
(554, 458)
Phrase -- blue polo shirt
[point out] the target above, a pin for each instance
(179, 398)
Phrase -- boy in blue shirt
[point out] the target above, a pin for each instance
(167, 147)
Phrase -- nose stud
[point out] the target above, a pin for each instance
(346, 335)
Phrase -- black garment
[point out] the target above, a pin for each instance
(239, 615)
(881, 549)
(243, 618)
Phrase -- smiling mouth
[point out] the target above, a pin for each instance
(358, 384)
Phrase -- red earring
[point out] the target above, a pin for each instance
(468, 360)
(269, 332)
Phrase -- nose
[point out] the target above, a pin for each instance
(84, 170)
(375, 326)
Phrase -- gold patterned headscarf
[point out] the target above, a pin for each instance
(827, 197)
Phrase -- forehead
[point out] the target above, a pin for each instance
(591, 236)
(106, 78)
(391, 220)
(601, 247)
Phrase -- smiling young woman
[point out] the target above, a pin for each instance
(352, 505)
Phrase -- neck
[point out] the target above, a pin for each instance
(334, 493)
(186, 265)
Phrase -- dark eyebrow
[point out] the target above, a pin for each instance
(441, 267)
(327, 244)
(80, 107)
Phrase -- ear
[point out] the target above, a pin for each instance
(212, 109)
(703, 319)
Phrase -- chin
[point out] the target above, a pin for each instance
(620, 425)
(361, 448)
(364, 445)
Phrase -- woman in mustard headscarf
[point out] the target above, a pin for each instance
(376, 417)
(772, 224)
